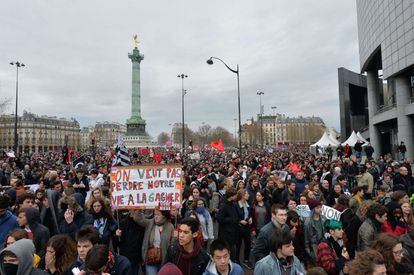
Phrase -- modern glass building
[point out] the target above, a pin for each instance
(386, 50)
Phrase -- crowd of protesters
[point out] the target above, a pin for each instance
(239, 215)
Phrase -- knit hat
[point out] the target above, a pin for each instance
(170, 269)
(312, 203)
(333, 224)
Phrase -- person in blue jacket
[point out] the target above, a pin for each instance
(8, 221)
(220, 262)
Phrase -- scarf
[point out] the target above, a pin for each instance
(186, 260)
(202, 211)
(157, 232)
(99, 224)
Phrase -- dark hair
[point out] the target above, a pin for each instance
(292, 216)
(230, 192)
(384, 244)
(277, 207)
(4, 201)
(88, 233)
(341, 177)
(278, 239)
(26, 195)
(65, 251)
(262, 192)
(343, 200)
(97, 257)
(192, 223)
(16, 234)
(289, 182)
(105, 208)
(376, 209)
(365, 261)
(218, 245)
(397, 195)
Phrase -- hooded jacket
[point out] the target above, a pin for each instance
(211, 269)
(40, 232)
(80, 219)
(49, 216)
(23, 249)
(8, 222)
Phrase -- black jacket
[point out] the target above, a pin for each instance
(40, 232)
(80, 220)
(199, 264)
(240, 214)
(277, 196)
(228, 220)
(49, 216)
(131, 240)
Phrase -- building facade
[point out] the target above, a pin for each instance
(86, 135)
(39, 133)
(386, 51)
(279, 129)
(106, 133)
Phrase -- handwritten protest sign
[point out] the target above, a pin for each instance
(330, 213)
(303, 210)
(146, 187)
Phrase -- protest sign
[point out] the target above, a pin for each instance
(330, 213)
(281, 174)
(195, 156)
(146, 186)
(303, 210)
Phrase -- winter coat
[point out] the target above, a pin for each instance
(228, 221)
(49, 216)
(311, 237)
(408, 245)
(131, 240)
(211, 269)
(262, 247)
(80, 220)
(240, 214)
(277, 196)
(24, 250)
(270, 265)
(167, 235)
(122, 266)
(267, 219)
(366, 179)
(40, 232)
(329, 256)
(366, 234)
(8, 222)
(199, 263)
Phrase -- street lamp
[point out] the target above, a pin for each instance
(274, 126)
(261, 120)
(18, 65)
(183, 93)
(210, 62)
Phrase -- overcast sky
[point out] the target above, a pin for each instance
(76, 54)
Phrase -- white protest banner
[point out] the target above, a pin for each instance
(146, 186)
(330, 213)
(281, 174)
(195, 156)
(303, 210)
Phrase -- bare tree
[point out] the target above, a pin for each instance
(163, 138)
(4, 103)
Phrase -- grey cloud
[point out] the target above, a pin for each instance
(77, 64)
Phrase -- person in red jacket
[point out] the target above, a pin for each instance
(394, 224)
(331, 254)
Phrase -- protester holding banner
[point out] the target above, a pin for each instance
(159, 234)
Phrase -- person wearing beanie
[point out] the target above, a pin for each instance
(8, 221)
(313, 229)
(228, 220)
(332, 254)
(170, 269)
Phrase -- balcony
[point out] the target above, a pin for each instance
(384, 108)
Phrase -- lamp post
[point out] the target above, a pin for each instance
(261, 121)
(183, 93)
(274, 126)
(210, 62)
(18, 65)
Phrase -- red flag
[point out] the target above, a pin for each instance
(68, 156)
(218, 145)
(157, 158)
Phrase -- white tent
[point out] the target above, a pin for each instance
(334, 140)
(353, 138)
(324, 141)
(361, 137)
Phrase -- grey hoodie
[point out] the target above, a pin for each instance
(24, 250)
